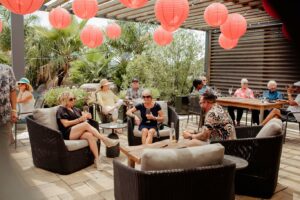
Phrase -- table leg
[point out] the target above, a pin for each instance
(131, 163)
(261, 115)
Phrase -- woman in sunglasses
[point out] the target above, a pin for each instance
(73, 125)
(151, 113)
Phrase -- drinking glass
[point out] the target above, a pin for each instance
(114, 115)
(230, 90)
(148, 112)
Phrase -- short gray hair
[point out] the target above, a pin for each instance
(271, 82)
(244, 80)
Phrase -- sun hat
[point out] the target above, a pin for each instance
(25, 81)
(104, 82)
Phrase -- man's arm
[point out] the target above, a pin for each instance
(13, 101)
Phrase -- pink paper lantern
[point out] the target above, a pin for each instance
(269, 9)
(1, 25)
(227, 43)
(91, 36)
(171, 13)
(234, 27)
(85, 9)
(22, 7)
(215, 14)
(60, 18)
(134, 3)
(113, 31)
(162, 37)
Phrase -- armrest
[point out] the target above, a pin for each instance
(173, 117)
(130, 127)
(247, 132)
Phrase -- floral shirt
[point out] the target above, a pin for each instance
(7, 85)
(244, 93)
(219, 123)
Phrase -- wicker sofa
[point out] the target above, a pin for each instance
(211, 182)
(50, 152)
(259, 179)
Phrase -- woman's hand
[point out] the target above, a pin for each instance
(87, 115)
(150, 116)
(82, 118)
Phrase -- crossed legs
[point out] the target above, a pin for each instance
(274, 113)
(147, 135)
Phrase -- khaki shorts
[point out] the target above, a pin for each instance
(5, 130)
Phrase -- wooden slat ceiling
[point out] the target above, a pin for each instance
(112, 9)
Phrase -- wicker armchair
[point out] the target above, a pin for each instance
(210, 182)
(172, 116)
(259, 179)
(49, 151)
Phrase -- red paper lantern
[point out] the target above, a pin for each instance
(85, 9)
(60, 18)
(91, 36)
(285, 32)
(227, 43)
(134, 3)
(162, 37)
(22, 7)
(215, 14)
(171, 13)
(1, 25)
(113, 31)
(234, 27)
(269, 9)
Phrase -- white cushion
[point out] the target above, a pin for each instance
(165, 132)
(191, 157)
(164, 108)
(272, 128)
(46, 117)
(73, 145)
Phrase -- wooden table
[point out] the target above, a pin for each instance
(253, 104)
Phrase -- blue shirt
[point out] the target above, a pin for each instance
(203, 89)
(272, 95)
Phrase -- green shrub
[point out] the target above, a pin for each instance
(52, 95)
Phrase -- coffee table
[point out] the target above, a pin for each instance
(114, 151)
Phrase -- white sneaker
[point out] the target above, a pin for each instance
(98, 165)
(110, 142)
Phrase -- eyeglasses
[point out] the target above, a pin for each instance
(144, 97)
(72, 99)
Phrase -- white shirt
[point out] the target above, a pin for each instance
(27, 106)
(296, 108)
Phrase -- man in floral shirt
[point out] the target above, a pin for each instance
(8, 99)
(217, 123)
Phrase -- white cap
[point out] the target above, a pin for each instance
(297, 84)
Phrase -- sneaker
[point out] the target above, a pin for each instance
(98, 165)
(110, 142)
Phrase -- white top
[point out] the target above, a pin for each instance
(296, 108)
(26, 107)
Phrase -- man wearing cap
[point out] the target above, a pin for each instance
(8, 101)
(134, 92)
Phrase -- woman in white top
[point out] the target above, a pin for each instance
(25, 98)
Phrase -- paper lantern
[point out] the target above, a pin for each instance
(227, 43)
(134, 3)
(85, 9)
(171, 13)
(60, 18)
(162, 37)
(22, 7)
(215, 14)
(91, 36)
(269, 9)
(1, 25)
(113, 31)
(285, 32)
(234, 27)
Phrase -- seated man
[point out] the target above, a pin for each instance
(217, 123)
(134, 92)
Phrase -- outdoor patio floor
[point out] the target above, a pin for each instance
(92, 184)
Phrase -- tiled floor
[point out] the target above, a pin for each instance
(92, 184)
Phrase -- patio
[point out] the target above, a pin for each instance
(92, 184)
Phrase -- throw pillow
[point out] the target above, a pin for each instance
(46, 117)
(272, 128)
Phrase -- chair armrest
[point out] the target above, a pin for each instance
(247, 131)
(130, 127)
(173, 117)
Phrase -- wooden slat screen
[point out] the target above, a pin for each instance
(262, 54)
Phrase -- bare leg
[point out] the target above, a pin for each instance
(151, 133)
(144, 135)
(92, 143)
(274, 113)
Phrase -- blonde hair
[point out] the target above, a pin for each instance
(28, 87)
(147, 91)
(64, 97)
(271, 82)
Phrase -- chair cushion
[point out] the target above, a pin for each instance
(165, 132)
(272, 128)
(191, 157)
(164, 108)
(73, 145)
(46, 117)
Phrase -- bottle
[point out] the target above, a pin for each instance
(172, 132)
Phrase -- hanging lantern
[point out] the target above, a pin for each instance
(162, 37)
(1, 25)
(227, 43)
(285, 32)
(269, 9)
(134, 3)
(85, 9)
(215, 14)
(22, 7)
(60, 18)
(171, 13)
(234, 27)
(91, 36)
(113, 31)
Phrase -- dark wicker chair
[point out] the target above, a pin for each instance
(195, 109)
(211, 182)
(259, 179)
(49, 151)
(133, 140)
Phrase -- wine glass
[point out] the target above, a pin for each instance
(148, 112)
(114, 115)
(230, 90)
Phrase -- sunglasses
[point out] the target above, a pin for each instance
(72, 99)
(144, 97)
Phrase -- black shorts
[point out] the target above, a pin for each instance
(147, 127)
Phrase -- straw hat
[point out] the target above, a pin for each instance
(25, 81)
(104, 82)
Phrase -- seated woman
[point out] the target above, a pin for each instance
(151, 113)
(25, 98)
(109, 102)
(205, 86)
(73, 125)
